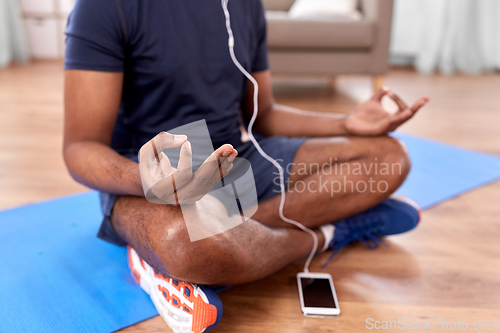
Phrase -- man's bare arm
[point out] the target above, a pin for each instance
(91, 103)
(275, 119)
(369, 118)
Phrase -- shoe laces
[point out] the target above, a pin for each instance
(348, 231)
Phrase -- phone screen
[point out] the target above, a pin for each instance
(317, 293)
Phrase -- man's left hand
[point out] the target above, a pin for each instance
(370, 118)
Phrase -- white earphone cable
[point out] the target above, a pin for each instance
(256, 144)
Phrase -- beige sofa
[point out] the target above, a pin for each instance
(350, 46)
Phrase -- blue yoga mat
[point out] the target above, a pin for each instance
(56, 276)
(441, 171)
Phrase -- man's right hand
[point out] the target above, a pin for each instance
(165, 184)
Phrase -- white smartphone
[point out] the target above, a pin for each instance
(317, 295)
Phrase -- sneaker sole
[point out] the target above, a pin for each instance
(185, 307)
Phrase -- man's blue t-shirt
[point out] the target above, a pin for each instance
(175, 59)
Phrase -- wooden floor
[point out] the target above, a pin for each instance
(448, 268)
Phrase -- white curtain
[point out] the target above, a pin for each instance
(448, 35)
(13, 40)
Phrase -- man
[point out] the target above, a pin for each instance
(136, 68)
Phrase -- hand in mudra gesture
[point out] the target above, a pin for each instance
(371, 119)
(165, 184)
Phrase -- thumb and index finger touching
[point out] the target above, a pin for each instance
(404, 112)
(151, 157)
(165, 140)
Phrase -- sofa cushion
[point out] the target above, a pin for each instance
(321, 8)
(339, 32)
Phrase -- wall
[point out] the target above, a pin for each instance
(45, 22)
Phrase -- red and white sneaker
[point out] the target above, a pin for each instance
(185, 307)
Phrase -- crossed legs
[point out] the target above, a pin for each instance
(265, 244)
(334, 178)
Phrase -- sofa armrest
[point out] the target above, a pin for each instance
(279, 5)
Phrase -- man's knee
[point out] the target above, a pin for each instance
(393, 159)
(400, 156)
(208, 261)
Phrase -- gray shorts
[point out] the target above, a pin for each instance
(280, 148)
